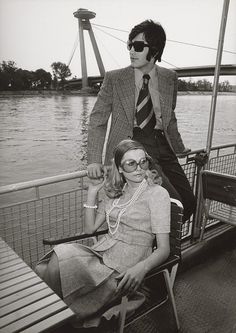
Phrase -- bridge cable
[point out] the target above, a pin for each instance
(110, 54)
(107, 33)
(73, 49)
(104, 26)
(201, 46)
(171, 40)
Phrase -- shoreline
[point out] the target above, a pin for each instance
(209, 93)
(93, 93)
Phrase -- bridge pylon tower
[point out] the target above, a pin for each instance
(84, 16)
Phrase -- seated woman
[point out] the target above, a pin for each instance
(91, 280)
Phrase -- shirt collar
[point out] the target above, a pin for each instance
(139, 76)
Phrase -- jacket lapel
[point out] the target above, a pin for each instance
(126, 92)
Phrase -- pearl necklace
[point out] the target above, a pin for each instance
(123, 207)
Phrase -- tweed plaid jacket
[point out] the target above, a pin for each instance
(116, 100)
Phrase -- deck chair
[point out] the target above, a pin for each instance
(168, 269)
(218, 195)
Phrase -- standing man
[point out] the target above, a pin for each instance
(141, 100)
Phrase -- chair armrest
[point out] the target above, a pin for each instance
(78, 236)
(169, 263)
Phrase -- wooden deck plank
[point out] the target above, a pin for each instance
(10, 269)
(8, 258)
(23, 285)
(4, 250)
(26, 302)
(12, 263)
(23, 293)
(22, 302)
(12, 275)
(35, 317)
(28, 310)
(51, 321)
(17, 280)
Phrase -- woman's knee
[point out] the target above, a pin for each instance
(54, 274)
(49, 271)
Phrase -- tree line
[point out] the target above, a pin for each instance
(202, 85)
(14, 78)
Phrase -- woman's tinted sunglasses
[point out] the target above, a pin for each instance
(137, 45)
(132, 165)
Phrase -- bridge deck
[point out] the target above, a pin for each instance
(182, 72)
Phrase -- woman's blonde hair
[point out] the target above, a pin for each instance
(115, 180)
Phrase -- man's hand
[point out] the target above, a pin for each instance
(95, 185)
(183, 153)
(95, 170)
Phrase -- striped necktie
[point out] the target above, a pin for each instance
(145, 116)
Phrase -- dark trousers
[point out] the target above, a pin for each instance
(174, 179)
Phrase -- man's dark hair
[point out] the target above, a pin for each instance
(155, 36)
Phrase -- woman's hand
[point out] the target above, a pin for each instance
(131, 279)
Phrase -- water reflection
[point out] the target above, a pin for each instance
(43, 136)
(84, 130)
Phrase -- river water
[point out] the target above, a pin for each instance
(43, 136)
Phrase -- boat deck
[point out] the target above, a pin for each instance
(204, 291)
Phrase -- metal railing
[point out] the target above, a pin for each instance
(53, 206)
(39, 209)
(222, 159)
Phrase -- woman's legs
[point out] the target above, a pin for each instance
(48, 270)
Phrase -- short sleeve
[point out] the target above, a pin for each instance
(159, 205)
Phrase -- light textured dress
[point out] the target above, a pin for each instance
(88, 274)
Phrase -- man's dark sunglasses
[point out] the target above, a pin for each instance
(138, 46)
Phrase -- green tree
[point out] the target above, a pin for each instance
(7, 74)
(23, 79)
(9, 66)
(182, 85)
(60, 72)
(42, 79)
(224, 86)
(4, 80)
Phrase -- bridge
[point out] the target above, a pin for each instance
(96, 81)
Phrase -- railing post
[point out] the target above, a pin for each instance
(216, 76)
(37, 192)
(198, 216)
(197, 220)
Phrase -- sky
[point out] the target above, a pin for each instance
(36, 33)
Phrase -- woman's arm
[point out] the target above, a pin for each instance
(93, 219)
(159, 255)
(133, 277)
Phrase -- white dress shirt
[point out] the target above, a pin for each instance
(153, 89)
